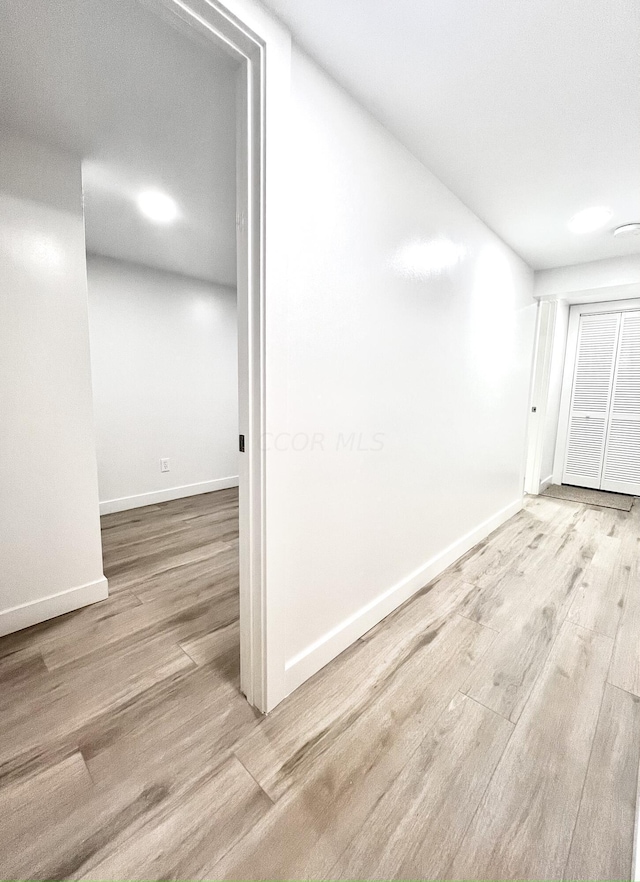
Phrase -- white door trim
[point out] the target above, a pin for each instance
(246, 32)
(575, 312)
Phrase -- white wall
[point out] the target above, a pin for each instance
(367, 337)
(612, 279)
(164, 367)
(50, 553)
(409, 326)
(561, 327)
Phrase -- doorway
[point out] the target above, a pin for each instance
(215, 31)
(55, 110)
(599, 439)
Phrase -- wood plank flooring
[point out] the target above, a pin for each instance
(488, 729)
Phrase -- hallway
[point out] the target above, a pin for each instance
(489, 728)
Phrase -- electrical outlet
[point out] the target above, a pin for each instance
(164, 465)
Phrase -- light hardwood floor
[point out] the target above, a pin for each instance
(488, 729)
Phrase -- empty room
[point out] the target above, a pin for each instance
(159, 197)
(320, 440)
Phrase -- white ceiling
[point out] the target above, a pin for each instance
(529, 110)
(144, 107)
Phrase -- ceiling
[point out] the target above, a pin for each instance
(529, 110)
(143, 107)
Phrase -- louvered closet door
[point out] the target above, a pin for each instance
(590, 399)
(622, 453)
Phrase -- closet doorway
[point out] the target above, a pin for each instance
(599, 438)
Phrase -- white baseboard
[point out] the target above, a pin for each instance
(27, 614)
(547, 482)
(126, 502)
(306, 663)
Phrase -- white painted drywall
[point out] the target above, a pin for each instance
(560, 329)
(50, 553)
(165, 380)
(409, 331)
(409, 380)
(569, 69)
(615, 278)
(539, 393)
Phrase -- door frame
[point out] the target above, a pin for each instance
(210, 21)
(575, 311)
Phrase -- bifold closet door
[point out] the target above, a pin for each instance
(621, 471)
(591, 399)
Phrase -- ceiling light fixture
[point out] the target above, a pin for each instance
(627, 230)
(158, 206)
(589, 220)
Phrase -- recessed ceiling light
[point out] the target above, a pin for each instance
(158, 206)
(627, 230)
(589, 220)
